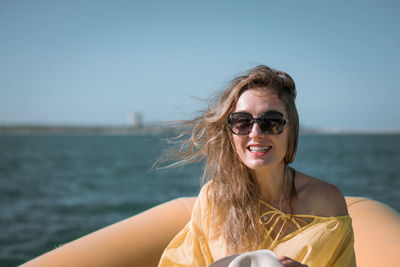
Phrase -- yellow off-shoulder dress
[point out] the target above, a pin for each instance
(313, 240)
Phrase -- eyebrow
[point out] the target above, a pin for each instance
(271, 111)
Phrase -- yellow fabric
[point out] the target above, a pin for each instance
(317, 241)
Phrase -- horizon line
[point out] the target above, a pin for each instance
(112, 127)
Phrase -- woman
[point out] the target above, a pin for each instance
(253, 199)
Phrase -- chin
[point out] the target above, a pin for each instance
(258, 165)
(265, 164)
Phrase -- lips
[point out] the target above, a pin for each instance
(259, 148)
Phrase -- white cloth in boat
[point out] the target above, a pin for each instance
(258, 258)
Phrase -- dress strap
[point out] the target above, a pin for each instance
(278, 225)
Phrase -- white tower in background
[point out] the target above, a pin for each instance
(135, 119)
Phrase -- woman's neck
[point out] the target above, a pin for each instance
(271, 181)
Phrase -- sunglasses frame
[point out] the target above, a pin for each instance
(258, 120)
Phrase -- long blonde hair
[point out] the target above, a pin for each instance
(233, 191)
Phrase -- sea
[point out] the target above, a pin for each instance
(55, 188)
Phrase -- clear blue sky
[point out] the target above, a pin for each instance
(93, 62)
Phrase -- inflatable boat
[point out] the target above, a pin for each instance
(139, 240)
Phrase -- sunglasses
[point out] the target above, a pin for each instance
(270, 122)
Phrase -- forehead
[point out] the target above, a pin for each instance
(257, 101)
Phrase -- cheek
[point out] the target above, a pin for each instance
(284, 142)
(238, 144)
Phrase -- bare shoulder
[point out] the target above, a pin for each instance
(319, 198)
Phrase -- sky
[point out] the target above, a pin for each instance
(94, 62)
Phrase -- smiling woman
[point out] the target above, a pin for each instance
(253, 200)
(258, 146)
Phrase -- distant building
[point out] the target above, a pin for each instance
(135, 119)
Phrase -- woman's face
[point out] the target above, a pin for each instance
(256, 149)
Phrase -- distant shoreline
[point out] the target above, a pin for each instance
(159, 128)
(71, 129)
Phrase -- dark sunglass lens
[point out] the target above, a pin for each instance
(272, 126)
(277, 126)
(265, 125)
(240, 123)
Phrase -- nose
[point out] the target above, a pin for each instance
(256, 131)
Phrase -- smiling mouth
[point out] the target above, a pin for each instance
(259, 149)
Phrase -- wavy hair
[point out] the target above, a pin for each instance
(233, 191)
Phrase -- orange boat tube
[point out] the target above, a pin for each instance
(141, 239)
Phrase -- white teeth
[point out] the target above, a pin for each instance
(259, 148)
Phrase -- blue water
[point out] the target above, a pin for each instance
(55, 188)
